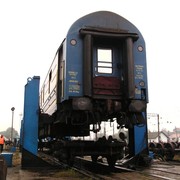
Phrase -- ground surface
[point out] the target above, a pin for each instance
(17, 173)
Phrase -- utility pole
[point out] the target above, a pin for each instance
(12, 109)
(158, 124)
(158, 128)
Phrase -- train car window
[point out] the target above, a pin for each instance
(43, 93)
(41, 98)
(50, 77)
(104, 60)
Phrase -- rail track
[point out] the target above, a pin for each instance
(165, 170)
(158, 170)
(97, 171)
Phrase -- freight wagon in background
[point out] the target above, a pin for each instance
(98, 75)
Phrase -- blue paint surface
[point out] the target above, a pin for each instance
(140, 137)
(30, 120)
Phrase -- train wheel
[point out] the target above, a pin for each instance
(70, 161)
(94, 158)
(160, 150)
(152, 145)
(111, 161)
(169, 151)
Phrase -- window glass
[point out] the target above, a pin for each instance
(104, 61)
(50, 77)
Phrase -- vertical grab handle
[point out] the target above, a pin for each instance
(130, 68)
(87, 65)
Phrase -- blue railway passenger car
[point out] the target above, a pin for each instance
(98, 74)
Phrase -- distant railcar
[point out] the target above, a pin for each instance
(98, 74)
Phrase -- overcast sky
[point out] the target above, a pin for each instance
(31, 32)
